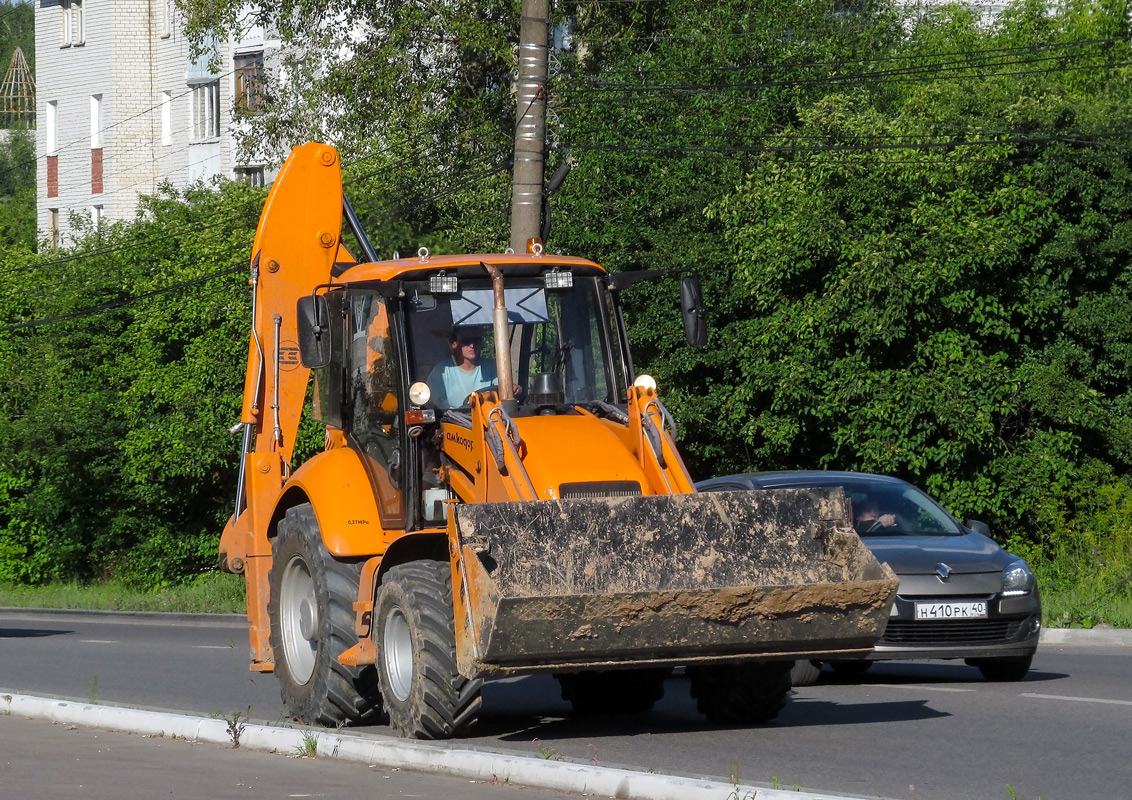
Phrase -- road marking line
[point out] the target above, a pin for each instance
(1078, 699)
(921, 688)
(99, 641)
(212, 647)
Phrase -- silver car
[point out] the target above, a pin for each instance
(960, 596)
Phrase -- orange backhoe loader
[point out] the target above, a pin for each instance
(500, 494)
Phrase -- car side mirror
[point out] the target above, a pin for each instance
(978, 527)
(692, 308)
(314, 331)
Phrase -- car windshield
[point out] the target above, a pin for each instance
(893, 509)
(896, 510)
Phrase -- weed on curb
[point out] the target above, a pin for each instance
(309, 746)
(236, 724)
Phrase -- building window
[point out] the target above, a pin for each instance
(80, 21)
(249, 82)
(252, 176)
(52, 117)
(53, 227)
(96, 218)
(166, 19)
(206, 110)
(96, 170)
(67, 20)
(166, 117)
(96, 120)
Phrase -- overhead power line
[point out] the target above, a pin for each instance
(94, 310)
(87, 312)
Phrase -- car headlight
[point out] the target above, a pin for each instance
(1017, 579)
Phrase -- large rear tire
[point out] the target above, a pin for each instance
(627, 691)
(312, 623)
(425, 695)
(740, 693)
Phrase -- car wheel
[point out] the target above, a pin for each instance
(630, 691)
(850, 668)
(740, 693)
(424, 693)
(310, 607)
(1003, 670)
(805, 672)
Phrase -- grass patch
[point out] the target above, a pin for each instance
(1085, 606)
(211, 593)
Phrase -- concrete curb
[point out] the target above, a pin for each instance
(428, 757)
(1087, 636)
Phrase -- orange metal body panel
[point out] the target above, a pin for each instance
(394, 268)
(672, 476)
(339, 490)
(295, 247)
(572, 449)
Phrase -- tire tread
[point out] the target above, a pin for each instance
(442, 703)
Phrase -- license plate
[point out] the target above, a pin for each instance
(951, 610)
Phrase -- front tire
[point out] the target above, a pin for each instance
(425, 695)
(312, 624)
(740, 693)
(1003, 670)
(805, 672)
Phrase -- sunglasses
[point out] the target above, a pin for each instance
(467, 340)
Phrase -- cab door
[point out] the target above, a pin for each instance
(373, 414)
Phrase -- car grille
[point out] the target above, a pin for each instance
(951, 631)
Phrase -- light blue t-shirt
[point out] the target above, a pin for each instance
(450, 385)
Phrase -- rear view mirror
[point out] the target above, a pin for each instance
(978, 527)
(692, 308)
(314, 331)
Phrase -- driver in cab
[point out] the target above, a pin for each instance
(465, 371)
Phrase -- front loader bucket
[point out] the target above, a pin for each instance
(674, 579)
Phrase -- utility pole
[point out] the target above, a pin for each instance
(530, 126)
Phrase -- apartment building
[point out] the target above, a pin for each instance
(123, 108)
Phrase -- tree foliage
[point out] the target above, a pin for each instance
(17, 29)
(122, 363)
(17, 189)
(938, 271)
(912, 226)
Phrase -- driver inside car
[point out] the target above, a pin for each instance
(870, 519)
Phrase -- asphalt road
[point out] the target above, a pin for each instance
(931, 730)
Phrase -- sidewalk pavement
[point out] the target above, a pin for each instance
(42, 760)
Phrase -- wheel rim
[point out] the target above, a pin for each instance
(298, 619)
(397, 647)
